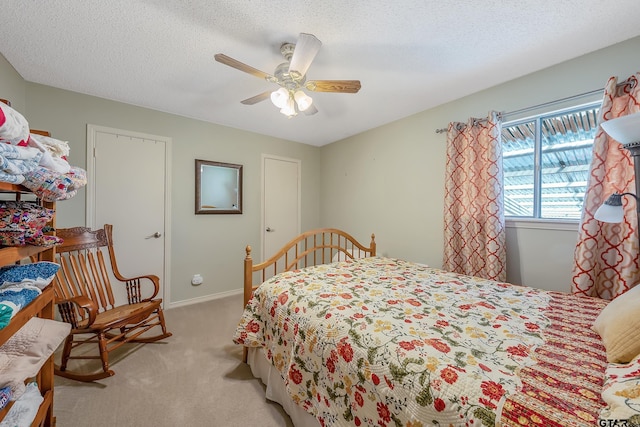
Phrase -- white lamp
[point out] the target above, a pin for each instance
(611, 210)
(287, 101)
(289, 109)
(280, 97)
(625, 130)
(303, 100)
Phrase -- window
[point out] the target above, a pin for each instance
(546, 162)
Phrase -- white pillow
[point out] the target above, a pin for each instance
(619, 327)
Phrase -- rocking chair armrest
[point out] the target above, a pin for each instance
(84, 303)
(152, 277)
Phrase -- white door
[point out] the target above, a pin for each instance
(280, 202)
(128, 187)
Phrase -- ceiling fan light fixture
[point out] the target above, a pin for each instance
(280, 97)
(291, 77)
(289, 109)
(303, 100)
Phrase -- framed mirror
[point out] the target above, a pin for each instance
(218, 188)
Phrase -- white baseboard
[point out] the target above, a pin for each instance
(204, 298)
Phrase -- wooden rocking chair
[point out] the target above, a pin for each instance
(85, 300)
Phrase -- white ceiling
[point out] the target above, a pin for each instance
(410, 55)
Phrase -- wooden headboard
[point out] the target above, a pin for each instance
(310, 248)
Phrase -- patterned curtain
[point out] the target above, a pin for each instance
(474, 233)
(606, 255)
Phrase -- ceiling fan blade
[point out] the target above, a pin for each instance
(341, 86)
(257, 98)
(311, 110)
(306, 50)
(224, 59)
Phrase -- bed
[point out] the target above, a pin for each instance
(344, 337)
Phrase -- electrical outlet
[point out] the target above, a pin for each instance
(197, 280)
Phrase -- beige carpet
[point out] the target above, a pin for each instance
(195, 378)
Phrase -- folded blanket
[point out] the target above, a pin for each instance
(23, 355)
(56, 164)
(41, 239)
(6, 313)
(15, 152)
(16, 299)
(22, 223)
(23, 238)
(16, 160)
(14, 128)
(12, 238)
(38, 274)
(11, 178)
(25, 409)
(56, 147)
(51, 186)
(22, 216)
(54, 152)
(5, 396)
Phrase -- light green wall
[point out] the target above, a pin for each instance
(390, 180)
(12, 86)
(211, 245)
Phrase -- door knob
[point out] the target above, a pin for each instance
(155, 235)
(270, 230)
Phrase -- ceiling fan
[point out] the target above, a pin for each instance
(291, 76)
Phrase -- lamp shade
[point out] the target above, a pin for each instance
(608, 213)
(280, 97)
(625, 129)
(611, 210)
(289, 109)
(303, 100)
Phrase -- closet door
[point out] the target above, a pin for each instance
(128, 187)
(281, 180)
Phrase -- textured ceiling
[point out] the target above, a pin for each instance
(410, 55)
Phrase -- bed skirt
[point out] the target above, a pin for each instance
(261, 368)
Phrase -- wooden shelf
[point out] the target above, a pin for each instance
(9, 255)
(45, 410)
(5, 187)
(42, 306)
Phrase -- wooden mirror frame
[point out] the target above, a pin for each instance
(208, 183)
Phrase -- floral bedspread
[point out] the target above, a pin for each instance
(386, 342)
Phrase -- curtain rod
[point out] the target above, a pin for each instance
(546, 104)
